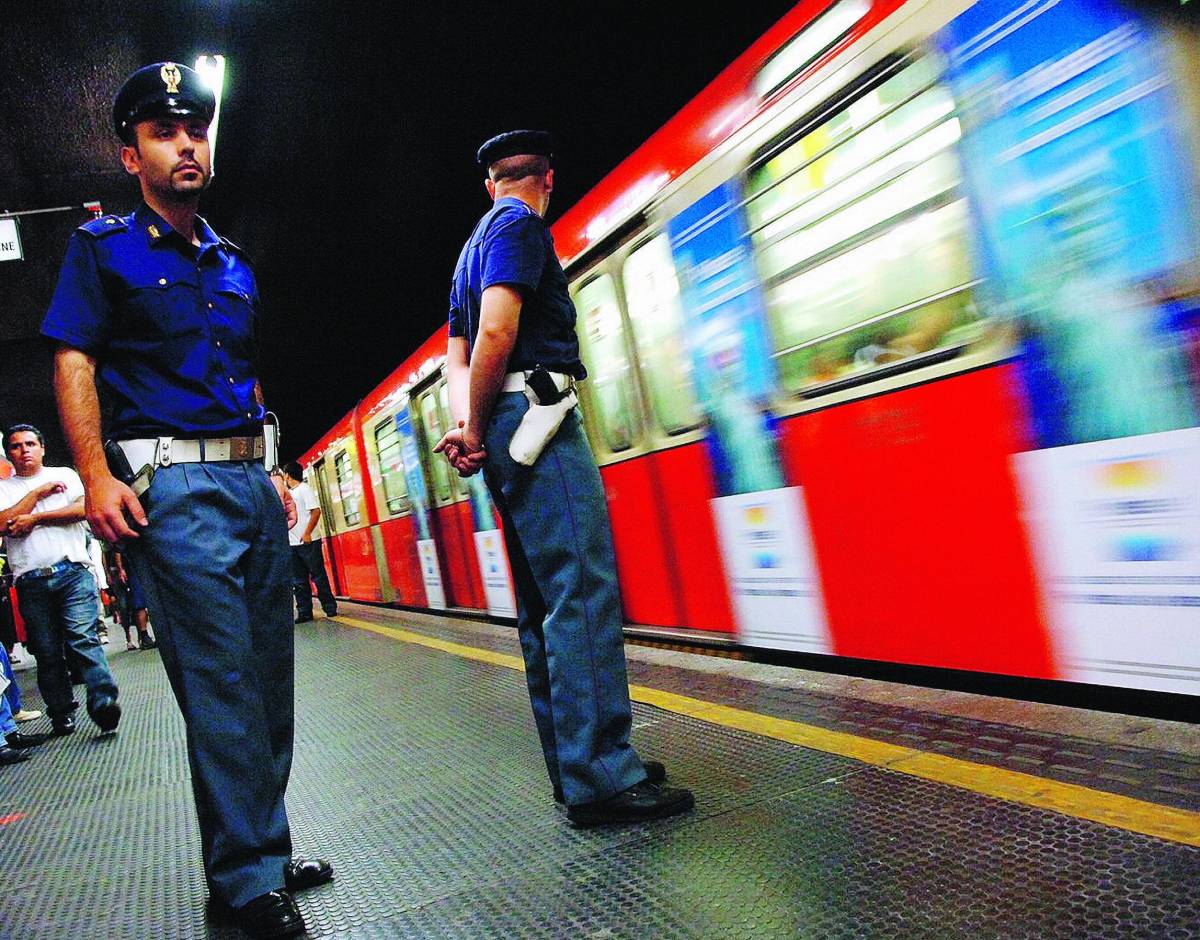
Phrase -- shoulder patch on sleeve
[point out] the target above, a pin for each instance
(105, 225)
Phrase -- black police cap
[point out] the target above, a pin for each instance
(162, 89)
(515, 143)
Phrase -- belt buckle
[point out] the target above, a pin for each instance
(241, 448)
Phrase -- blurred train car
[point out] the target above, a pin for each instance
(894, 353)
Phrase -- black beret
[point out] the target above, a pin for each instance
(165, 88)
(515, 143)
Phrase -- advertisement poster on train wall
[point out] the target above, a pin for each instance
(1116, 530)
(493, 566)
(1073, 147)
(769, 559)
(489, 550)
(727, 335)
(431, 572)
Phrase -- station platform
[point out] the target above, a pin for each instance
(825, 807)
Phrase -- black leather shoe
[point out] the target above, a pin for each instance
(106, 714)
(19, 740)
(267, 917)
(656, 772)
(147, 642)
(61, 727)
(10, 756)
(301, 874)
(307, 619)
(639, 803)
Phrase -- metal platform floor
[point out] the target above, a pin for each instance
(418, 774)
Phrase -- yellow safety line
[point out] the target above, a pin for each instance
(1110, 809)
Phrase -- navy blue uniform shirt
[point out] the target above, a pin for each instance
(511, 245)
(172, 325)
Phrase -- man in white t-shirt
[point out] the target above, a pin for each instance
(305, 540)
(41, 518)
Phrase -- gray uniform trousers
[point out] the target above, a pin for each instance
(215, 568)
(568, 605)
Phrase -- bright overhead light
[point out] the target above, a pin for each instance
(211, 69)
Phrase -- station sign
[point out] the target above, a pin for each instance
(10, 241)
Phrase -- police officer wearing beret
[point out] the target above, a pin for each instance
(510, 313)
(161, 312)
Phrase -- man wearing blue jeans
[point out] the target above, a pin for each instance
(512, 327)
(42, 521)
(161, 312)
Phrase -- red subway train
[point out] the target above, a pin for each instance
(893, 336)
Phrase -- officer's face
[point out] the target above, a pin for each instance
(26, 453)
(171, 157)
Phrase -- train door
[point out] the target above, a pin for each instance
(321, 479)
(401, 495)
(450, 509)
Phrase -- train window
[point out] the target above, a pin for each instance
(391, 465)
(656, 318)
(347, 484)
(807, 45)
(433, 433)
(456, 485)
(604, 354)
(861, 232)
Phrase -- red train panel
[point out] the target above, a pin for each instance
(644, 567)
(358, 563)
(686, 490)
(456, 544)
(403, 563)
(916, 522)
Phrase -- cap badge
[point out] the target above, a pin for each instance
(153, 230)
(169, 73)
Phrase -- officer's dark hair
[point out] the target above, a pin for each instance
(293, 470)
(519, 167)
(17, 428)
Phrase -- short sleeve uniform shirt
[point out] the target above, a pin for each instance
(172, 326)
(512, 245)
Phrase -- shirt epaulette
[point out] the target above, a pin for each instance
(225, 242)
(105, 225)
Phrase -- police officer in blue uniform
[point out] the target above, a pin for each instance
(162, 313)
(512, 326)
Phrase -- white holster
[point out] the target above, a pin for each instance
(541, 422)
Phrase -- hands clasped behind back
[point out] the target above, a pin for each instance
(463, 451)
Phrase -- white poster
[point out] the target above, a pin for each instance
(10, 241)
(497, 581)
(431, 573)
(1116, 531)
(768, 555)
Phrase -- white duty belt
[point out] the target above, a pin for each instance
(515, 381)
(164, 451)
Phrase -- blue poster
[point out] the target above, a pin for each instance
(1082, 206)
(418, 495)
(726, 327)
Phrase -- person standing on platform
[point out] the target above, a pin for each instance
(42, 522)
(285, 496)
(12, 692)
(162, 312)
(305, 540)
(13, 743)
(512, 335)
(133, 607)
